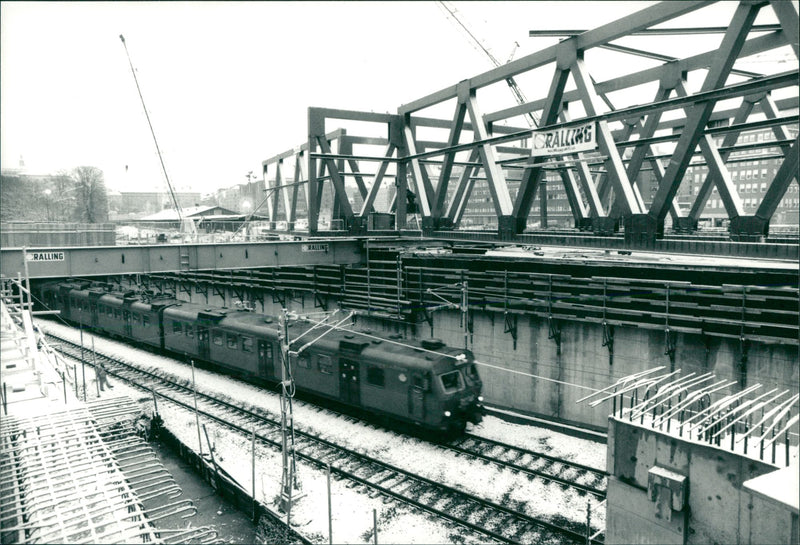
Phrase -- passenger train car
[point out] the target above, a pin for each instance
(425, 383)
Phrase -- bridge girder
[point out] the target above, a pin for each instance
(600, 185)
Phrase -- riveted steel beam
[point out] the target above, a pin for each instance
(419, 174)
(458, 202)
(369, 200)
(645, 18)
(447, 163)
(622, 187)
(115, 260)
(494, 175)
(777, 189)
(726, 191)
(688, 64)
(533, 171)
(787, 16)
(698, 118)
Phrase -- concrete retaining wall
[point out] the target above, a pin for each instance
(716, 507)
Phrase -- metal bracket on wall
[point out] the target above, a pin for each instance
(744, 349)
(608, 340)
(220, 291)
(510, 326)
(278, 297)
(608, 329)
(239, 291)
(670, 339)
(554, 332)
(553, 327)
(319, 302)
(257, 296)
(185, 286)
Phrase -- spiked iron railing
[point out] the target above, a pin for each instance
(697, 408)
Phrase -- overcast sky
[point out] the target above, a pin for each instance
(228, 84)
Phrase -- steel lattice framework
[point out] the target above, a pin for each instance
(433, 180)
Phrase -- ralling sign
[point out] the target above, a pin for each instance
(564, 141)
(44, 256)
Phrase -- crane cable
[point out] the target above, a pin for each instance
(150, 124)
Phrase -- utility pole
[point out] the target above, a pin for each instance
(289, 483)
(465, 309)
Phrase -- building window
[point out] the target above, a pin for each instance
(763, 187)
(376, 376)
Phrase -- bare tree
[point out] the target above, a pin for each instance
(91, 200)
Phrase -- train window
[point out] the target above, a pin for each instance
(177, 328)
(117, 314)
(265, 351)
(304, 361)
(135, 317)
(233, 342)
(110, 312)
(325, 364)
(247, 344)
(216, 338)
(376, 376)
(472, 373)
(145, 320)
(451, 382)
(189, 331)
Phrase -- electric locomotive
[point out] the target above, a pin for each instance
(425, 383)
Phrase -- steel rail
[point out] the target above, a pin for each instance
(597, 492)
(262, 419)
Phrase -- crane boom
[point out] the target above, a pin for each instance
(533, 119)
(186, 224)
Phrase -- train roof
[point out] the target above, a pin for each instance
(425, 354)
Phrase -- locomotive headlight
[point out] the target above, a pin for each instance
(480, 399)
(447, 414)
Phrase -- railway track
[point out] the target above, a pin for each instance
(550, 468)
(502, 523)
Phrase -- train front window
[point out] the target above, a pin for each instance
(451, 382)
(471, 373)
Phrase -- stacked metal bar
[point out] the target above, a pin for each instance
(84, 476)
(62, 484)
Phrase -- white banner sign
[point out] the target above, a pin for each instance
(564, 141)
(44, 256)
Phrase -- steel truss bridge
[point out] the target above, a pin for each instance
(424, 168)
